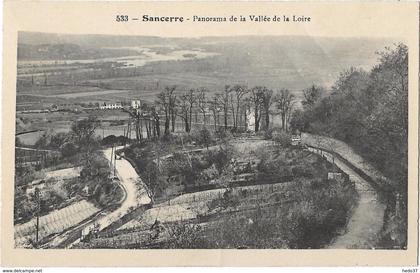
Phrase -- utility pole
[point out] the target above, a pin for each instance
(37, 197)
(115, 161)
(188, 155)
(129, 128)
(125, 136)
(112, 155)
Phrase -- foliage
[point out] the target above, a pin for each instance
(83, 131)
(286, 164)
(318, 211)
(203, 137)
(298, 121)
(312, 95)
(282, 138)
(369, 111)
(228, 200)
(114, 140)
(18, 142)
(223, 134)
(153, 180)
(95, 167)
(284, 102)
(52, 141)
(184, 236)
(24, 206)
(80, 138)
(95, 175)
(220, 157)
(68, 149)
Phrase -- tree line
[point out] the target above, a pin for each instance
(233, 108)
(367, 110)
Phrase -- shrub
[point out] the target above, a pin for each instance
(268, 134)
(282, 138)
(220, 158)
(109, 140)
(203, 137)
(114, 140)
(223, 134)
(68, 149)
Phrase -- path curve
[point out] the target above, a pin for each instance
(134, 197)
(367, 219)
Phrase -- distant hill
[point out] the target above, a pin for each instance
(293, 62)
(67, 52)
(87, 40)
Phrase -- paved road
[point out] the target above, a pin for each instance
(367, 217)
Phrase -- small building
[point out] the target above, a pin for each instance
(341, 178)
(250, 122)
(109, 106)
(135, 104)
(296, 140)
(335, 176)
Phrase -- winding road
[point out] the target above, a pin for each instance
(367, 217)
(361, 231)
(134, 197)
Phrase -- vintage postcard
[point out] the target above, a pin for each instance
(210, 133)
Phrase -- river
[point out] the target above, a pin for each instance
(145, 55)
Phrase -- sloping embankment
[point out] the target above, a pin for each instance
(367, 220)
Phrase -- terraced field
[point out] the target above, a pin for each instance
(55, 222)
(189, 206)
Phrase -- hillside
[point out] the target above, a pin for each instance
(293, 62)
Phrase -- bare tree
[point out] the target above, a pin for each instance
(246, 106)
(239, 91)
(232, 108)
(163, 100)
(284, 102)
(202, 103)
(146, 117)
(166, 99)
(171, 98)
(223, 101)
(267, 101)
(191, 99)
(214, 107)
(184, 110)
(156, 119)
(256, 101)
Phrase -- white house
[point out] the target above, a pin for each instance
(116, 105)
(135, 104)
(250, 123)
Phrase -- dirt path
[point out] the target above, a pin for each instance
(134, 197)
(345, 151)
(367, 217)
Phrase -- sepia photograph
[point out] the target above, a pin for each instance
(211, 142)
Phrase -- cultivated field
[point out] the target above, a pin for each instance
(55, 222)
